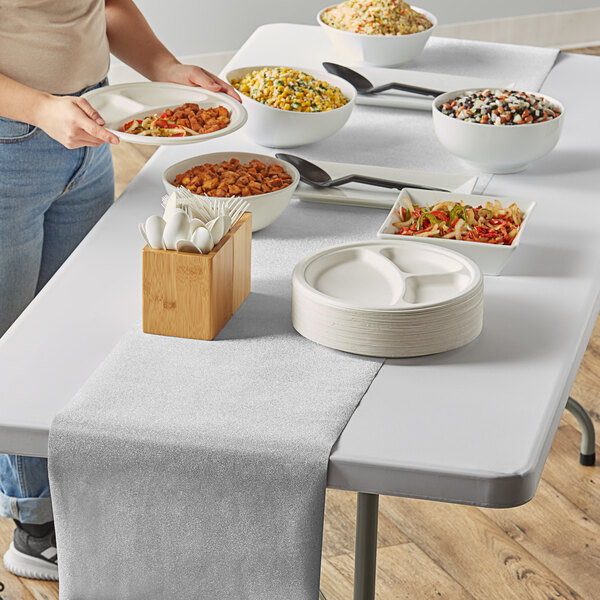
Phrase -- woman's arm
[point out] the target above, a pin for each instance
(68, 119)
(132, 41)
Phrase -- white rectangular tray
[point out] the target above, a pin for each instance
(438, 81)
(358, 194)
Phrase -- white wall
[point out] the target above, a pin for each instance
(190, 27)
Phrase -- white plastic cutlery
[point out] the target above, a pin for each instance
(192, 223)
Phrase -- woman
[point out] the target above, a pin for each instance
(56, 181)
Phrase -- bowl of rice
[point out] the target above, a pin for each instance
(290, 107)
(497, 131)
(382, 33)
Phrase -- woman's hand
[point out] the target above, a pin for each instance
(197, 76)
(132, 41)
(72, 121)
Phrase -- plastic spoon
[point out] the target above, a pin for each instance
(216, 228)
(194, 224)
(177, 228)
(143, 232)
(203, 240)
(155, 228)
(187, 246)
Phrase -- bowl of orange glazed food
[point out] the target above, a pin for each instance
(382, 33)
(264, 181)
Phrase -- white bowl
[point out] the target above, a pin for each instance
(277, 128)
(265, 208)
(490, 258)
(496, 148)
(378, 50)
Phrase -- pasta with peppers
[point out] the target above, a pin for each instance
(489, 224)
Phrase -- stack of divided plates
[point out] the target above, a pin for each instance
(393, 299)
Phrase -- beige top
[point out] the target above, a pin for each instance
(57, 46)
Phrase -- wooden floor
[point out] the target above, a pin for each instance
(592, 50)
(546, 549)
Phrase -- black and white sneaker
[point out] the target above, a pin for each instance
(32, 553)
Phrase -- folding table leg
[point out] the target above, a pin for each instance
(365, 550)
(587, 455)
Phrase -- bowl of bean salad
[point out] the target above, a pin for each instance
(289, 106)
(497, 131)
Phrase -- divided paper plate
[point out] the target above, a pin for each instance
(118, 104)
(388, 299)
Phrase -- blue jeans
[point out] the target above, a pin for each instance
(50, 198)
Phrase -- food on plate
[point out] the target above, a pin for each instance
(290, 89)
(376, 17)
(233, 178)
(500, 107)
(490, 224)
(188, 119)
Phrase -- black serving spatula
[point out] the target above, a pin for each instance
(364, 86)
(317, 177)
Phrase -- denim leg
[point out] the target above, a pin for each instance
(34, 171)
(88, 195)
(50, 198)
(24, 489)
(21, 240)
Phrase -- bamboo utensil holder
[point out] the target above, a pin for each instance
(194, 295)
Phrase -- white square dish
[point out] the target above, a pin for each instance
(491, 258)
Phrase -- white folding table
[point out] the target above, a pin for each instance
(470, 426)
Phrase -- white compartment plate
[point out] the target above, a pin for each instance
(489, 257)
(388, 299)
(389, 277)
(357, 194)
(121, 103)
(439, 81)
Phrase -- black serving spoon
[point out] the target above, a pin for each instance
(317, 177)
(364, 86)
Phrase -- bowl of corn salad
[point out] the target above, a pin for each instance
(381, 33)
(289, 106)
(497, 131)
